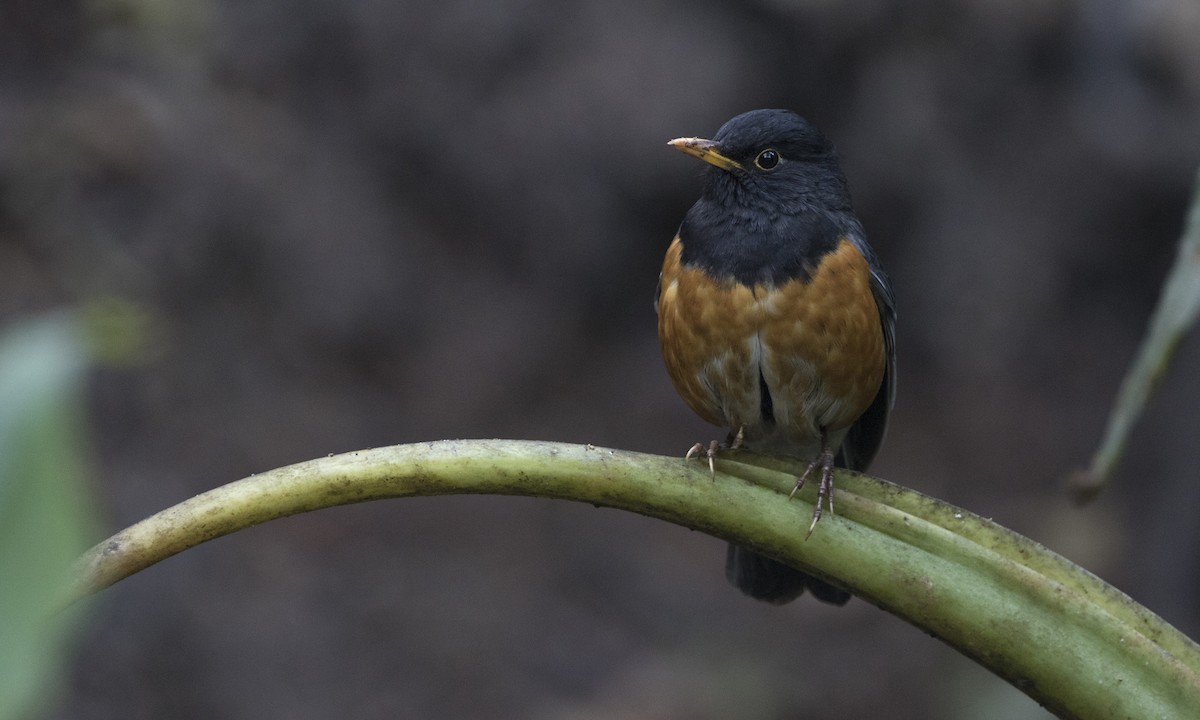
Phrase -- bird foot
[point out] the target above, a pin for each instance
(824, 461)
(733, 442)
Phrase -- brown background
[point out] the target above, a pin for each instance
(365, 223)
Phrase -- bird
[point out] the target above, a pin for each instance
(776, 319)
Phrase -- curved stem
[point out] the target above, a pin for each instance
(1061, 635)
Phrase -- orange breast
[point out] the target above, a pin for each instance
(817, 344)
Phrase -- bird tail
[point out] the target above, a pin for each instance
(765, 579)
(770, 581)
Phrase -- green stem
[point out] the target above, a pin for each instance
(1058, 633)
(1177, 311)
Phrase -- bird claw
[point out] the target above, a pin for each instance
(710, 450)
(824, 489)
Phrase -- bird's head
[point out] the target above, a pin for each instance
(771, 159)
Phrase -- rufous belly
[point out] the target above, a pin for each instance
(818, 345)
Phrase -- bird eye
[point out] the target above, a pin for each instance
(767, 159)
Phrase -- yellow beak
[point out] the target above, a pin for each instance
(706, 150)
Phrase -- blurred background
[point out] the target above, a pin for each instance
(363, 223)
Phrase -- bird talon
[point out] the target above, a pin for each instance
(816, 517)
(802, 479)
(824, 460)
(709, 451)
(824, 495)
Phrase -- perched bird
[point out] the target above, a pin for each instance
(775, 318)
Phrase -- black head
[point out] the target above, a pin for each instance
(772, 160)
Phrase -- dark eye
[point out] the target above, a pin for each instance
(767, 159)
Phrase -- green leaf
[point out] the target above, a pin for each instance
(44, 512)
